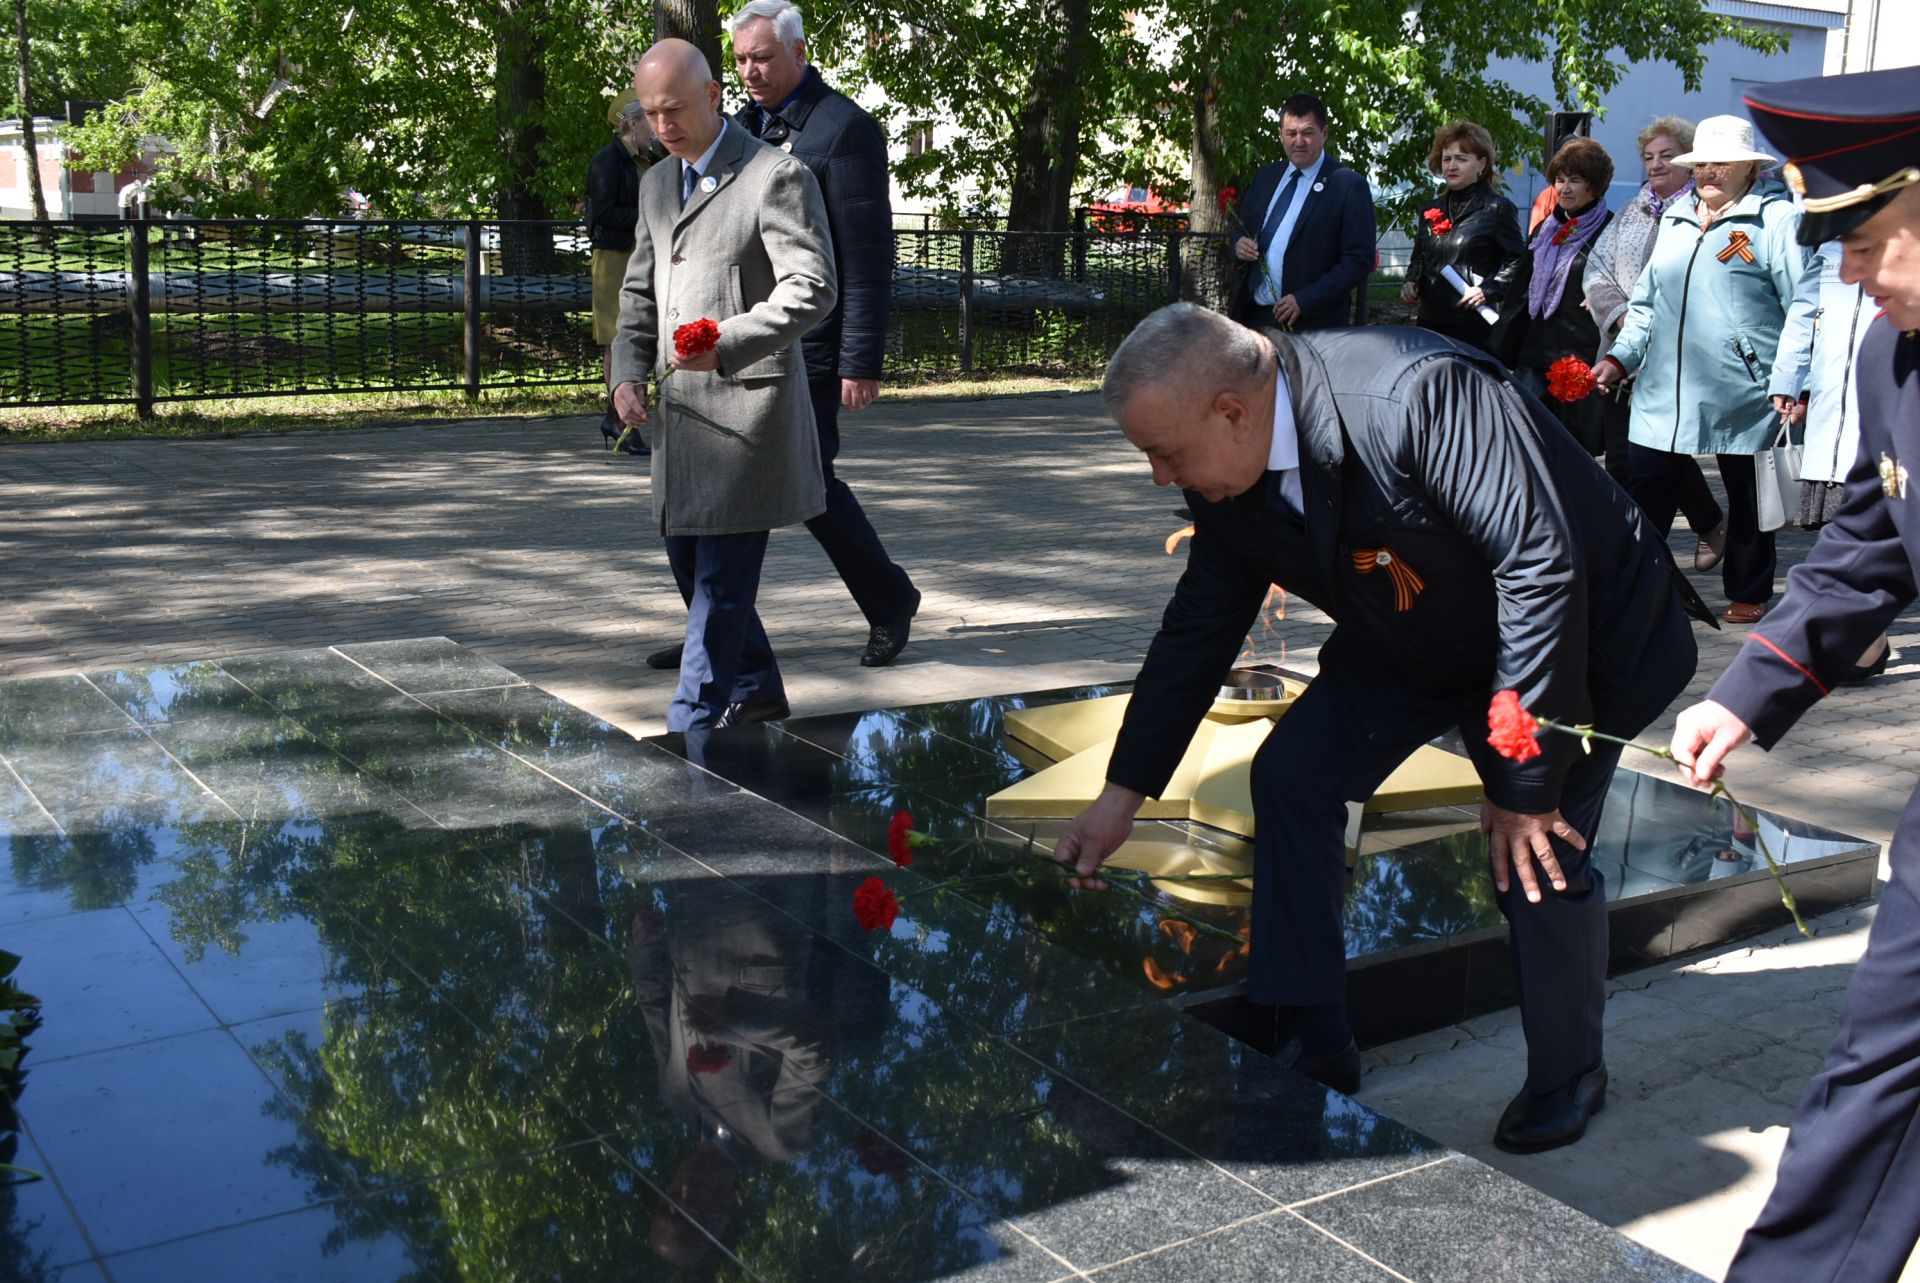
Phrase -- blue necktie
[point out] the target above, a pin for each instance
(687, 178)
(1278, 211)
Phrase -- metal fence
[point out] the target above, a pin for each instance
(145, 312)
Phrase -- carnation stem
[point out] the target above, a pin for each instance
(1719, 789)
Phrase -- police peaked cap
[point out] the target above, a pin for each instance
(1852, 143)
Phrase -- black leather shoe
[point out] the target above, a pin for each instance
(887, 640)
(668, 658)
(1340, 1071)
(747, 712)
(1536, 1123)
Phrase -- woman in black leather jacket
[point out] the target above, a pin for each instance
(1470, 228)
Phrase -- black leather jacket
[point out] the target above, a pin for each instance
(847, 152)
(1538, 574)
(1485, 239)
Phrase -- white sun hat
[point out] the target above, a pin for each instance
(1722, 140)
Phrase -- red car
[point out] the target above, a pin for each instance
(1136, 209)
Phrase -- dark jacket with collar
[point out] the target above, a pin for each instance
(1535, 572)
(1863, 569)
(847, 152)
(613, 196)
(1484, 239)
(1331, 252)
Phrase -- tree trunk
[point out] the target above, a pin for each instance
(1046, 140)
(1210, 273)
(695, 21)
(519, 90)
(25, 63)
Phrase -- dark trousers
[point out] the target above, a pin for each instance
(1661, 483)
(879, 587)
(727, 656)
(1846, 1203)
(1336, 744)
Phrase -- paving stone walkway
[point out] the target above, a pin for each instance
(1037, 538)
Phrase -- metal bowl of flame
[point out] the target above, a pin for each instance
(1250, 693)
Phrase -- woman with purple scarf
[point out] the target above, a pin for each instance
(1547, 316)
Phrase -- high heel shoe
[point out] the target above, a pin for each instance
(1864, 673)
(611, 429)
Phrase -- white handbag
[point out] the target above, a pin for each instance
(1776, 480)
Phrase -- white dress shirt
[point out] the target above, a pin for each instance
(1277, 252)
(1283, 456)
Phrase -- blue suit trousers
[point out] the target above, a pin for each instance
(727, 658)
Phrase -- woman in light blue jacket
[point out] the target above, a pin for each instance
(1703, 332)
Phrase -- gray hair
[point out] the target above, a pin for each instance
(1186, 345)
(783, 14)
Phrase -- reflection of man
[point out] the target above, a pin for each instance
(731, 231)
(795, 110)
(1846, 1203)
(1312, 221)
(1463, 544)
(613, 206)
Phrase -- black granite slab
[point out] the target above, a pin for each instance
(398, 968)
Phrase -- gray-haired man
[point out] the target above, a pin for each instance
(1464, 544)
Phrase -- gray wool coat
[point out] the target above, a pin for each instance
(734, 450)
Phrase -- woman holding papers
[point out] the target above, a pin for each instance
(1702, 331)
(1466, 244)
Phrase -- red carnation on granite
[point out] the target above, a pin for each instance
(708, 1058)
(696, 338)
(899, 839)
(874, 905)
(1513, 731)
(1570, 379)
(1226, 197)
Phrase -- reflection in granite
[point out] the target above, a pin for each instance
(395, 967)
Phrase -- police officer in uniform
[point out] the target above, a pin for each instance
(1464, 544)
(1846, 1204)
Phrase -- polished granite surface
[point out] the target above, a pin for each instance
(376, 963)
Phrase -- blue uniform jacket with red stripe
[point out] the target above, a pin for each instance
(1861, 572)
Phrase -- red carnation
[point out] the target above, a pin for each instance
(708, 1058)
(1567, 229)
(899, 831)
(1438, 221)
(1570, 379)
(696, 338)
(1513, 730)
(1227, 196)
(874, 905)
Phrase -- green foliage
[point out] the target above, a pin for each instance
(22, 1016)
(279, 109)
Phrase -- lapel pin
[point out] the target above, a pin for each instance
(1319, 187)
(787, 145)
(1893, 476)
(708, 183)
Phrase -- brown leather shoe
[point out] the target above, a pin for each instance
(1745, 612)
(1711, 548)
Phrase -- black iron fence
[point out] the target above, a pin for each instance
(144, 312)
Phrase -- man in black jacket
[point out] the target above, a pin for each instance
(795, 110)
(1310, 235)
(1464, 544)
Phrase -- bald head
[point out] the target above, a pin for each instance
(682, 99)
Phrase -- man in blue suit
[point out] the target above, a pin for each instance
(1846, 1203)
(1311, 220)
